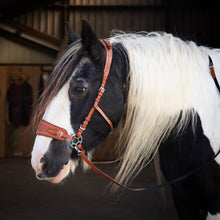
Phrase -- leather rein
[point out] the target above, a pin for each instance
(55, 132)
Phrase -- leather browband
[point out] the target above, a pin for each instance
(52, 131)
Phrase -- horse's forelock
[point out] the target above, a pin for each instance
(60, 75)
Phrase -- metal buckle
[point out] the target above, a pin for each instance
(77, 150)
(82, 127)
(74, 143)
(60, 135)
(102, 89)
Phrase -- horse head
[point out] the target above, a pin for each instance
(68, 98)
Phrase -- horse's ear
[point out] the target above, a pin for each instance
(72, 35)
(91, 43)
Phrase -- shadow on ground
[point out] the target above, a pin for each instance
(79, 197)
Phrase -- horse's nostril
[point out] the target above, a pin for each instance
(41, 175)
(42, 160)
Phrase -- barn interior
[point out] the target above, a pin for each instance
(32, 36)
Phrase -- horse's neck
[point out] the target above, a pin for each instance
(210, 112)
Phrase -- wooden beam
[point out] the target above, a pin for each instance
(19, 39)
(161, 6)
(27, 30)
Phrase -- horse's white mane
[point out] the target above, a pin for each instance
(167, 77)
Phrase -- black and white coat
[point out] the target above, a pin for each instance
(162, 88)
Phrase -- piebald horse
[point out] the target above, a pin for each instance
(159, 95)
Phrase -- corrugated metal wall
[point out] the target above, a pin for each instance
(194, 22)
(104, 15)
(126, 15)
(48, 21)
(183, 18)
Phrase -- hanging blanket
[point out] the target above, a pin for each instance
(20, 99)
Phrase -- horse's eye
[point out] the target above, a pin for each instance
(79, 90)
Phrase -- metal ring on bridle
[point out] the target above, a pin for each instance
(75, 141)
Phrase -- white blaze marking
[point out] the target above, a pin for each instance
(57, 113)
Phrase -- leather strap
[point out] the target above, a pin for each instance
(52, 131)
(212, 71)
(105, 117)
(108, 61)
(82, 155)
